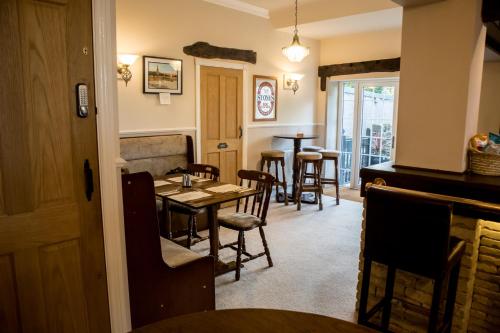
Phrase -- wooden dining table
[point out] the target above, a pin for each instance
(212, 203)
(251, 321)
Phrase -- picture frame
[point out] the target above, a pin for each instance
(265, 98)
(162, 75)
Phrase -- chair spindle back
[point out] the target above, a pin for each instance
(257, 204)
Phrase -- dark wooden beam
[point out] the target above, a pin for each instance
(382, 65)
(413, 3)
(205, 50)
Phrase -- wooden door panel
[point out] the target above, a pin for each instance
(214, 159)
(231, 108)
(213, 102)
(231, 166)
(15, 166)
(52, 270)
(48, 75)
(8, 302)
(62, 276)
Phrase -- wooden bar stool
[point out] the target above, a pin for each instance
(315, 160)
(276, 156)
(410, 232)
(332, 155)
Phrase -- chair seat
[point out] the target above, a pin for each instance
(239, 221)
(175, 255)
(312, 148)
(273, 153)
(309, 156)
(329, 153)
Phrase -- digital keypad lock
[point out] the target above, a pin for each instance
(82, 100)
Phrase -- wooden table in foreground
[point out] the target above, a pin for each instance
(211, 203)
(297, 146)
(252, 321)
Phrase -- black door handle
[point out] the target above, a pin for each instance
(241, 132)
(89, 180)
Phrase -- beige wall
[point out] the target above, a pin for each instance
(370, 45)
(489, 110)
(441, 66)
(163, 27)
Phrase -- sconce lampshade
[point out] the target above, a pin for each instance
(127, 59)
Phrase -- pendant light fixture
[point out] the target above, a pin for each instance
(295, 52)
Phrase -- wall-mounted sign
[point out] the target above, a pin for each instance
(265, 101)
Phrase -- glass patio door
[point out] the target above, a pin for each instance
(367, 118)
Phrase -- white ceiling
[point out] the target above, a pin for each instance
(378, 20)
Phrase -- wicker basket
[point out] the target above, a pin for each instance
(483, 163)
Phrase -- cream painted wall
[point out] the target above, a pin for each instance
(370, 45)
(163, 27)
(441, 68)
(489, 110)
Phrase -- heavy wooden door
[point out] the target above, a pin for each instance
(52, 269)
(221, 91)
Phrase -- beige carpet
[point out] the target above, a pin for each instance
(315, 258)
(346, 193)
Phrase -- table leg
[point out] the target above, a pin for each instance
(295, 170)
(166, 218)
(213, 231)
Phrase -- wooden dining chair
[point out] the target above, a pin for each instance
(250, 213)
(200, 170)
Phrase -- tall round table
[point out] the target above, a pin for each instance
(251, 321)
(297, 145)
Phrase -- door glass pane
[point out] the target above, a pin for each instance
(347, 133)
(377, 112)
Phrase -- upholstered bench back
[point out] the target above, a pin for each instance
(157, 154)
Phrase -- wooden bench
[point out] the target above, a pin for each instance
(165, 279)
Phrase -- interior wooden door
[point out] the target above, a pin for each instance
(52, 268)
(221, 91)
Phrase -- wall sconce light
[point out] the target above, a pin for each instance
(124, 63)
(291, 81)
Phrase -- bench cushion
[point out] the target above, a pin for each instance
(175, 255)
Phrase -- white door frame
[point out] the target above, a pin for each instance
(223, 64)
(104, 35)
(357, 117)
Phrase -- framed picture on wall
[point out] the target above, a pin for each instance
(162, 75)
(265, 98)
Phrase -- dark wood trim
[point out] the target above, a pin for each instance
(445, 172)
(205, 50)
(466, 186)
(190, 149)
(381, 65)
(490, 11)
(255, 77)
